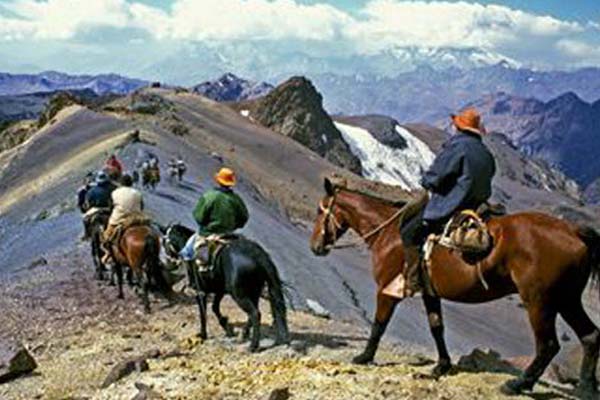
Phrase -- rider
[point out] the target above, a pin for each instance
(113, 164)
(126, 200)
(460, 178)
(219, 211)
(98, 197)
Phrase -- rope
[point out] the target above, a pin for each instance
(371, 233)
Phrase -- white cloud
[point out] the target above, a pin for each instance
(380, 25)
(389, 23)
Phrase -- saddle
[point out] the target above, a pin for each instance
(129, 221)
(467, 233)
(208, 248)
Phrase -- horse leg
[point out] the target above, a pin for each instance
(383, 314)
(201, 301)
(589, 335)
(542, 318)
(216, 307)
(118, 270)
(433, 306)
(254, 320)
(144, 283)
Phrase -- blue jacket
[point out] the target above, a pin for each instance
(460, 177)
(100, 196)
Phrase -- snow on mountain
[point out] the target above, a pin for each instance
(380, 162)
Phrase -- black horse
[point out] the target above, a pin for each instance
(241, 269)
(96, 223)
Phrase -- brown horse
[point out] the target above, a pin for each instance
(138, 248)
(547, 261)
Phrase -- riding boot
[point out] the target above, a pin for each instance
(408, 283)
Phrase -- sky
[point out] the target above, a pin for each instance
(72, 34)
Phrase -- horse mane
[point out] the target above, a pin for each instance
(391, 195)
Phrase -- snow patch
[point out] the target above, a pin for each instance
(245, 113)
(403, 167)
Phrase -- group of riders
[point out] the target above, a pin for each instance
(219, 211)
(459, 178)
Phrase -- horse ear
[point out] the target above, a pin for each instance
(329, 187)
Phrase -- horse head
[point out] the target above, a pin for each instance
(330, 223)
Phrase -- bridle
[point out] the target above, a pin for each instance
(331, 219)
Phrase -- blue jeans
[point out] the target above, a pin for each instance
(188, 252)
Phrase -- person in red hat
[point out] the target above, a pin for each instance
(220, 211)
(460, 178)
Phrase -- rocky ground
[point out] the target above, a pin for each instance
(82, 338)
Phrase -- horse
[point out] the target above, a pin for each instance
(150, 177)
(139, 249)
(546, 260)
(241, 269)
(97, 224)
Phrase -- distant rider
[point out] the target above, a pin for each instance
(114, 167)
(220, 211)
(126, 200)
(460, 178)
(97, 197)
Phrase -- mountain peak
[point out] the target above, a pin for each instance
(230, 87)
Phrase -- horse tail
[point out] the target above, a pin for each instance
(591, 238)
(276, 298)
(152, 262)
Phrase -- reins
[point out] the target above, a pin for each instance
(363, 238)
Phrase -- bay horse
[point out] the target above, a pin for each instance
(547, 261)
(150, 177)
(139, 249)
(241, 269)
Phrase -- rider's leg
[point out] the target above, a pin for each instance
(408, 282)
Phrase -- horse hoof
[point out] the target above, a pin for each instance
(441, 369)
(253, 349)
(121, 297)
(362, 359)
(514, 387)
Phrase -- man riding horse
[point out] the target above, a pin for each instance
(113, 167)
(97, 198)
(460, 178)
(127, 202)
(220, 211)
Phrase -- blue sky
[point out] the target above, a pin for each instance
(125, 34)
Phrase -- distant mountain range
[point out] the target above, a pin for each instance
(232, 88)
(50, 81)
(565, 131)
(428, 94)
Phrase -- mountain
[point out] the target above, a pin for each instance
(427, 94)
(232, 88)
(50, 81)
(564, 132)
(194, 62)
(295, 109)
(29, 106)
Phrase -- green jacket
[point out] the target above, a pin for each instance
(220, 211)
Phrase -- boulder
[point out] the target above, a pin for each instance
(127, 367)
(15, 361)
(486, 360)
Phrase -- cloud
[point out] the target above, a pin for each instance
(380, 25)
(388, 23)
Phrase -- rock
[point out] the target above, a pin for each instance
(124, 368)
(15, 361)
(146, 393)
(280, 394)
(299, 346)
(317, 309)
(488, 361)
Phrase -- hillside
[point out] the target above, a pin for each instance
(553, 131)
(281, 181)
